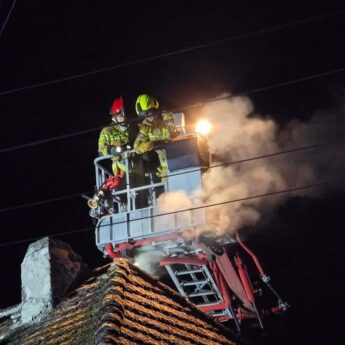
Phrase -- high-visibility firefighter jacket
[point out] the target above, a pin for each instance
(160, 129)
(110, 137)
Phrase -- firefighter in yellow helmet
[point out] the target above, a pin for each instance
(114, 138)
(157, 126)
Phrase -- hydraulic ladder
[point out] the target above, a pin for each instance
(196, 283)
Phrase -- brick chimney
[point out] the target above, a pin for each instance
(49, 270)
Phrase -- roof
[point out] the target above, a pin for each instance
(121, 304)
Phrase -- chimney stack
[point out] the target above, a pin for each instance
(49, 270)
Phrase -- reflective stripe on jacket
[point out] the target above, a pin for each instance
(111, 136)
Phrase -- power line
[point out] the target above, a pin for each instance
(315, 185)
(258, 157)
(176, 52)
(48, 140)
(7, 17)
(318, 75)
(196, 105)
(227, 163)
(42, 202)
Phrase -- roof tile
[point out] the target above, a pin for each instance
(123, 305)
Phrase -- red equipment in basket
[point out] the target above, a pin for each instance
(110, 184)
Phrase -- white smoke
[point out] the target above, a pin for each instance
(180, 202)
(146, 259)
(238, 134)
(241, 134)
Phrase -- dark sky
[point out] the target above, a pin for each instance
(49, 40)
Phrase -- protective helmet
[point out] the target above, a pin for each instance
(144, 103)
(117, 107)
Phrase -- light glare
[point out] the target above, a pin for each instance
(203, 127)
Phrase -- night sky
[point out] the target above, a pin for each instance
(300, 246)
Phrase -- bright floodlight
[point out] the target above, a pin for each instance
(203, 127)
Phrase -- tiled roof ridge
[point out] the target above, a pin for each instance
(103, 282)
(112, 306)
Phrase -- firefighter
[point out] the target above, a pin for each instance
(114, 138)
(112, 141)
(157, 126)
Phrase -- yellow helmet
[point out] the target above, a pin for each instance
(144, 103)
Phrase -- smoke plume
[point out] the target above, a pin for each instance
(146, 259)
(238, 133)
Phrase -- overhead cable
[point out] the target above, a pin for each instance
(41, 202)
(168, 54)
(266, 88)
(7, 17)
(297, 189)
(213, 100)
(226, 163)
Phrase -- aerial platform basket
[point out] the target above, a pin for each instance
(135, 214)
